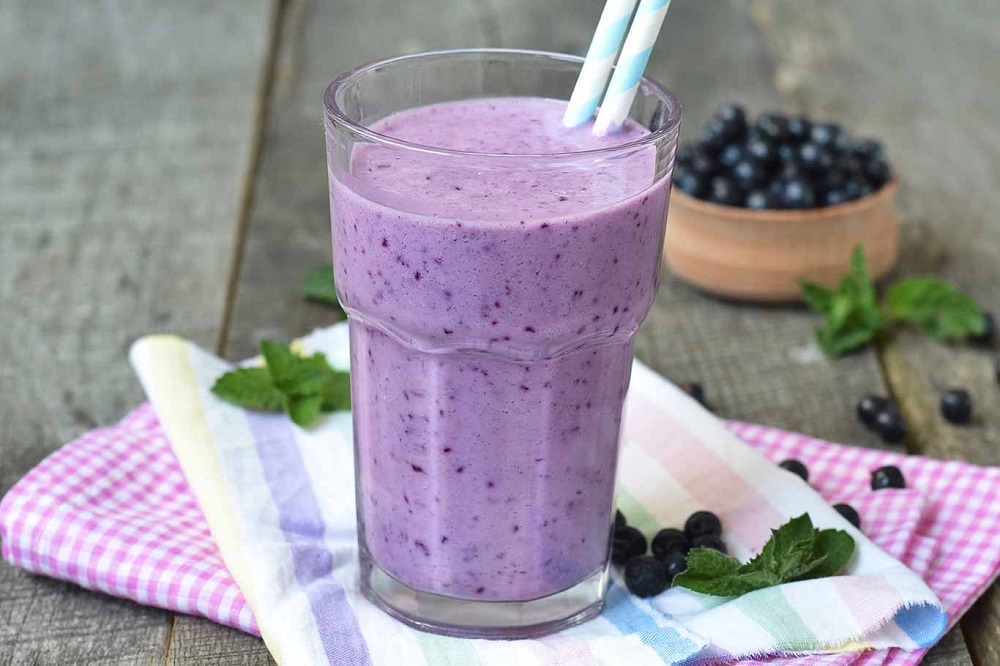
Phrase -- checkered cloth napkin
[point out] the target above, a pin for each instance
(113, 512)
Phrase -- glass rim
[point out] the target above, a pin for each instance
(334, 112)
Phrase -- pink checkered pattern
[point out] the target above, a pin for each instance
(112, 512)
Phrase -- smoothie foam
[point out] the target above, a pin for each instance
(491, 317)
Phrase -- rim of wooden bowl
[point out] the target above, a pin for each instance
(797, 215)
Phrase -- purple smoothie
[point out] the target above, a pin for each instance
(491, 314)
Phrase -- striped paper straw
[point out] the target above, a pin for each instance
(631, 64)
(600, 57)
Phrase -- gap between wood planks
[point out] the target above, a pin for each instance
(275, 18)
(277, 10)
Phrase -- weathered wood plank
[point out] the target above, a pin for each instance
(939, 118)
(123, 133)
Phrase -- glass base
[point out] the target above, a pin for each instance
(467, 618)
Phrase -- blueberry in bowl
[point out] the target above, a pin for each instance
(772, 199)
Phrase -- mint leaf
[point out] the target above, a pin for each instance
(837, 547)
(319, 287)
(250, 387)
(936, 306)
(853, 317)
(795, 551)
(711, 572)
(304, 410)
(294, 374)
(336, 392)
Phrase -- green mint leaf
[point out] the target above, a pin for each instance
(789, 549)
(818, 297)
(319, 287)
(295, 375)
(336, 392)
(251, 388)
(836, 548)
(711, 572)
(853, 317)
(304, 410)
(936, 306)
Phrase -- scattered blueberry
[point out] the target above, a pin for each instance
(890, 425)
(702, 523)
(645, 576)
(627, 543)
(675, 562)
(796, 467)
(620, 521)
(869, 407)
(887, 477)
(712, 541)
(696, 391)
(849, 513)
(668, 540)
(989, 335)
(956, 406)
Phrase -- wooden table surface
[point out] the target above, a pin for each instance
(162, 169)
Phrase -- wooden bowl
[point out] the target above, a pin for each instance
(760, 255)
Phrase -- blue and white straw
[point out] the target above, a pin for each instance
(600, 58)
(631, 64)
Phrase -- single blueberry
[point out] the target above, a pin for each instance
(761, 200)
(763, 151)
(712, 541)
(815, 158)
(715, 135)
(774, 126)
(799, 128)
(691, 183)
(703, 164)
(869, 149)
(725, 191)
(696, 391)
(878, 173)
(731, 154)
(675, 562)
(787, 152)
(645, 576)
(869, 408)
(890, 425)
(749, 173)
(796, 467)
(798, 193)
(668, 540)
(988, 337)
(825, 134)
(887, 477)
(849, 513)
(956, 406)
(732, 113)
(701, 523)
(627, 543)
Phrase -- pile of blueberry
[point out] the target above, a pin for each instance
(648, 575)
(778, 162)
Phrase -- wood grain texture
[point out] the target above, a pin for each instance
(123, 131)
(938, 110)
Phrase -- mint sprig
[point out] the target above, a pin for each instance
(795, 551)
(319, 287)
(854, 317)
(301, 386)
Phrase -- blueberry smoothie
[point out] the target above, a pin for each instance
(491, 313)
